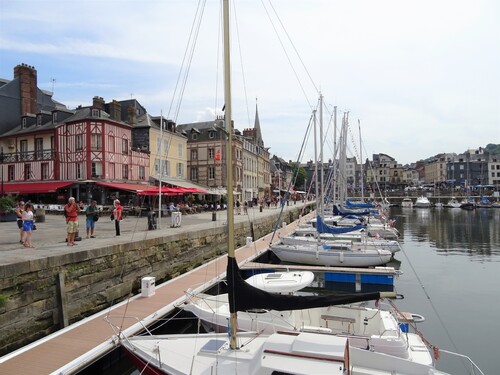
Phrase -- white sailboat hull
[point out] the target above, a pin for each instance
(365, 327)
(316, 255)
(354, 244)
(282, 352)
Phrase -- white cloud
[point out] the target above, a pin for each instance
(415, 73)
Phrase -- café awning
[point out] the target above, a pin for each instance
(136, 188)
(181, 183)
(34, 187)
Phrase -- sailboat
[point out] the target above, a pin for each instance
(254, 353)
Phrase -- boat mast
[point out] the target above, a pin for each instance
(361, 162)
(322, 183)
(233, 319)
(161, 170)
(335, 174)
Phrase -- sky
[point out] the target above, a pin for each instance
(417, 78)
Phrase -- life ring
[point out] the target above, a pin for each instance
(417, 318)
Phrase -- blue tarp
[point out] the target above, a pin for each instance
(321, 227)
(350, 204)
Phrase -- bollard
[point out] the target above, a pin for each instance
(260, 208)
(40, 215)
(249, 241)
(284, 225)
(214, 216)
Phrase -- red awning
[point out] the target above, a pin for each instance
(137, 188)
(34, 187)
(164, 191)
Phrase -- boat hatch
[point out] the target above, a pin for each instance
(213, 346)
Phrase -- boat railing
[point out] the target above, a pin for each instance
(473, 367)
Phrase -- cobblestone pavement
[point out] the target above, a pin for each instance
(50, 237)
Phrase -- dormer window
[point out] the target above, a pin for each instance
(39, 120)
(54, 118)
(194, 136)
(211, 134)
(95, 112)
(23, 124)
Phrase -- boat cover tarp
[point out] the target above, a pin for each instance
(338, 211)
(321, 227)
(244, 297)
(350, 204)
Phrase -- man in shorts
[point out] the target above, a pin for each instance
(71, 209)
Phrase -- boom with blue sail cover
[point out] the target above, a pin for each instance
(321, 227)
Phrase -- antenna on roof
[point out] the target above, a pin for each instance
(53, 80)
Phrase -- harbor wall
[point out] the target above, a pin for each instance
(44, 295)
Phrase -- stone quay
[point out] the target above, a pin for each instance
(51, 286)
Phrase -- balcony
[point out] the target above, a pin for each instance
(26, 156)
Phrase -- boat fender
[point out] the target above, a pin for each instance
(417, 318)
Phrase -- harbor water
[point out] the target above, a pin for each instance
(450, 263)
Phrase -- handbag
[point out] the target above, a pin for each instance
(34, 227)
(96, 217)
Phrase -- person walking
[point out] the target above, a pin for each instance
(28, 222)
(91, 216)
(71, 209)
(19, 213)
(117, 213)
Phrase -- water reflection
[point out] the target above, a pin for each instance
(475, 233)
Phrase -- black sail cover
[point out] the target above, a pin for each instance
(244, 297)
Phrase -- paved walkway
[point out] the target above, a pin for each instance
(50, 237)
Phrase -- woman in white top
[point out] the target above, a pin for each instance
(28, 224)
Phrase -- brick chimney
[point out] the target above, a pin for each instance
(27, 88)
(98, 103)
(132, 115)
(115, 110)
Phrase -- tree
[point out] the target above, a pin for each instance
(300, 176)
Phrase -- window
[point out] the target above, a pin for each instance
(96, 169)
(111, 171)
(125, 146)
(39, 148)
(167, 167)
(24, 149)
(211, 173)
(111, 144)
(125, 171)
(27, 171)
(142, 173)
(95, 142)
(23, 126)
(179, 149)
(194, 136)
(180, 170)
(39, 120)
(79, 142)
(79, 171)
(45, 171)
(211, 134)
(194, 173)
(157, 166)
(10, 173)
(54, 117)
(52, 145)
(95, 112)
(194, 154)
(211, 153)
(165, 147)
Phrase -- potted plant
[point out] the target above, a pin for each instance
(7, 209)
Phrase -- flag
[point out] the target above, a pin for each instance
(217, 155)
